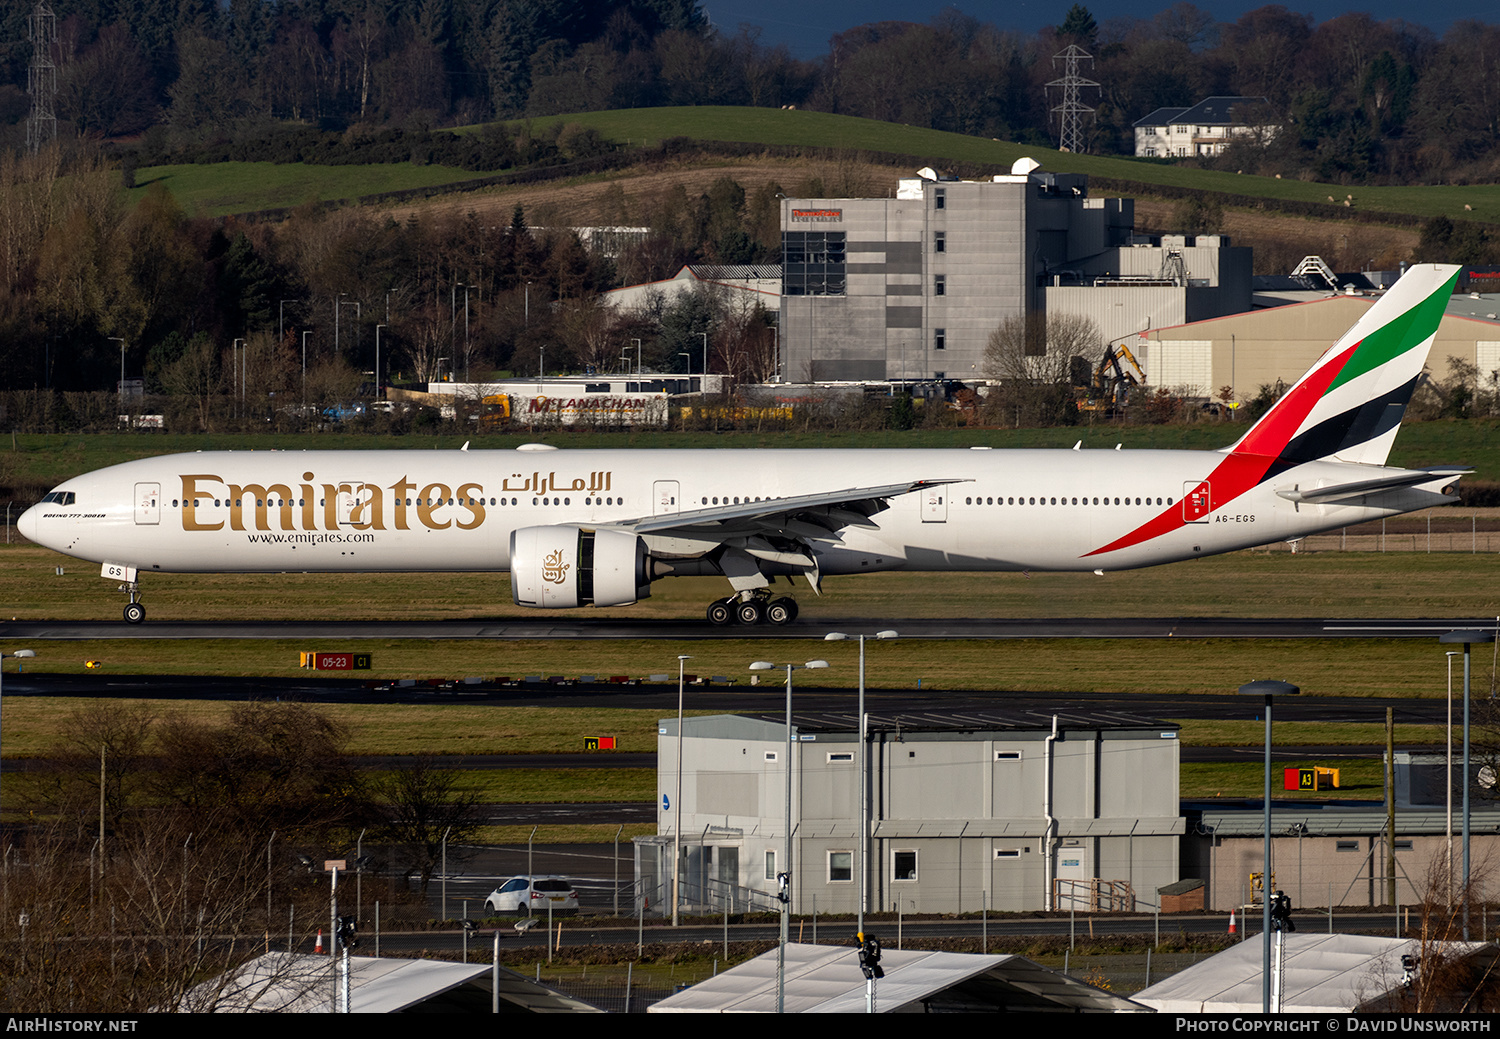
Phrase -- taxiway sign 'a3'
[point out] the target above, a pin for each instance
(578, 528)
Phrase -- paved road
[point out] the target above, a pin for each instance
(610, 628)
(585, 931)
(740, 699)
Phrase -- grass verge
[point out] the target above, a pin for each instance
(1258, 583)
(1360, 779)
(1157, 669)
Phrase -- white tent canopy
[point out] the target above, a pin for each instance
(1322, 974)
(300, 984)
(824, 979)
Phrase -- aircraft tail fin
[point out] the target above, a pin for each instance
(1349, 405)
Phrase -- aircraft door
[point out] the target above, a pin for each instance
(935, 504)
(1197, 502)
(666, 498)
(353, 493)
(147, 504)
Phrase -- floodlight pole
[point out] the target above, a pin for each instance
(1450, 654)
(1468, 638)
(861, 767)
(243, 368)
(377, 359)
(677, 803)
(784, 869)
(1267, 688)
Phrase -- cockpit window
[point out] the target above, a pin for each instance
(58, 498)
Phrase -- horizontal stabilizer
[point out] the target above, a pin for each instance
(1392, 481)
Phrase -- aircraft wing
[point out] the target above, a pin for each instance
(740, 538)
(824, 512)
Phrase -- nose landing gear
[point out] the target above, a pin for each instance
(135, 612)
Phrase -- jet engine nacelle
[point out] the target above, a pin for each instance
(555, 568)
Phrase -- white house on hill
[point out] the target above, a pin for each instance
(1207, 128)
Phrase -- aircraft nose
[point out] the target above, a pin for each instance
(29, 522)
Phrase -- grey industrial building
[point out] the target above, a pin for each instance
(1012, 810)
(910, 287)
(1335, 853)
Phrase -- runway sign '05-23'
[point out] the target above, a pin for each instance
(336, 661)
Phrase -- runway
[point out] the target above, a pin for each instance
(506, 629)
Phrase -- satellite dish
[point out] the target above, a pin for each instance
(1024, 165)
(927, 173)
(1486, 777)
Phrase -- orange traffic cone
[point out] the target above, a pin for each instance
(318, 949)
(1232, 928)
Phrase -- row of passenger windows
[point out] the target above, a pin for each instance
(1067, 501)
(569, 501)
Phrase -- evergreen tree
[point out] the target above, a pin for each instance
(1080, 25)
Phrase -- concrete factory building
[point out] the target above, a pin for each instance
(910, 287)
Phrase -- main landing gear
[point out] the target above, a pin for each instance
(756, 608)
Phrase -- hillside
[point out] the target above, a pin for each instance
(224, 188)
(847, 133)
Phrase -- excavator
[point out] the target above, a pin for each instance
(1112, 378)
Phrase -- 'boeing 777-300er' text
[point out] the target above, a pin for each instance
(575, 528)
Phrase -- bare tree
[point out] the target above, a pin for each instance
(747, 344)
(1441, 974)
(137, 926)
(106, 743)
(588, 330)
(332, 380)
(429, 342)
(1034, 362)
(1039, 351)
(423, 803)
(197, 376)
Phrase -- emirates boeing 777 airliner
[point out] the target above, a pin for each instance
(576, 528)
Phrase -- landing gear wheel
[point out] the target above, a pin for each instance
(135, 613)
(781, 611)
(751, 612)
(720, 612)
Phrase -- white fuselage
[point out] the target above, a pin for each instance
(455, 510)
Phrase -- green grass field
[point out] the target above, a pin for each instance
(454, 731)
(1160, 671)
(1359, 780)
(1244, 584)
(224, 188)
(823, 130)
